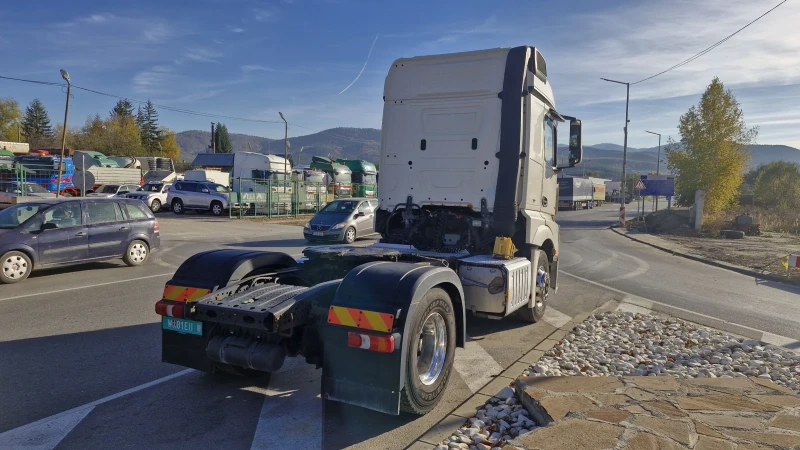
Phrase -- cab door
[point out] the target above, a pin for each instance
(549, 178)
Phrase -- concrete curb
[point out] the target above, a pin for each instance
(455, 418)
(770, 276)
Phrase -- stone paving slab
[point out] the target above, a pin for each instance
(675, 413)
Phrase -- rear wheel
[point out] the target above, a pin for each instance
(177, 206)
(136, 254)
(429, 353)
(14, 267)
(155, 206)
(542, 279)
(216, 208)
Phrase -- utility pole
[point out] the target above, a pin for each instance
(213, 141)
(285, 142)
(658, 162)
(65, 76)
(625, 146)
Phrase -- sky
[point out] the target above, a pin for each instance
(306, 58)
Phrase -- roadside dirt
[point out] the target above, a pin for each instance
(296, 221)
(756, 252)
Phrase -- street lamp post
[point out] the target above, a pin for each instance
(658, 161)
(625, 146)
(285, 142)
(65, 76)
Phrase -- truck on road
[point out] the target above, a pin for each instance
(365, 182)
(575, 193)
(466, 215)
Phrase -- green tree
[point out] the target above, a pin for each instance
(121, 137)
(712, 155)
(139, 118)
(778, 186)
(10, 118)
(124, 107)
(148, 125)
(593, 173)
(36, 125)
(169, 144)
(222, 140)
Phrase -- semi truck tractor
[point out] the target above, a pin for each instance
(365, 181)
(467, 206)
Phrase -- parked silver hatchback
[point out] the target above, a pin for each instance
(343, 220)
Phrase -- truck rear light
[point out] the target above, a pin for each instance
(169, 309)
(371, 342)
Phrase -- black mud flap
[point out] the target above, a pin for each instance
(371, 379)
(209, 271)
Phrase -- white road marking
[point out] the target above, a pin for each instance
(48, 432)
(58, 291)
(641, 269)
(555, 317)
(602, 264)
(475, 365)
(292, 409)
(651, 305)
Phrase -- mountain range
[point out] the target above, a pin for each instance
(365, 143)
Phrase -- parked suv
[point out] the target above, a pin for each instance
(64, 231)
(199, 196)
(343, 220)
(153, 194)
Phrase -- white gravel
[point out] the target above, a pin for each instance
(613, 344)
(616, 344)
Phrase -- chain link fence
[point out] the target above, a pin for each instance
(277, 198)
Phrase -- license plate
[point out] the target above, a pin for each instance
(182, 325)
(319, 233)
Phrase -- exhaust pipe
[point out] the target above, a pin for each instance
(245, 352)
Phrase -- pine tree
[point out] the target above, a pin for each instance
(139, 118)
(36, 125)
(123, 108)
(222, 139)
(148, 123)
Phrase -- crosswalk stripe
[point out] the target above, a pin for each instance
(475, 365)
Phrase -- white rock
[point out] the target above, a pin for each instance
(505, 394)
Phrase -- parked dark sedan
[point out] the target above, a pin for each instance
(63, 231)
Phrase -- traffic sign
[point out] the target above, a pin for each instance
(639, 185)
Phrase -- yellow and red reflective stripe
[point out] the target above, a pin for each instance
(183, 293)
(360, 318)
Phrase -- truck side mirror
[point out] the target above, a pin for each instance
(575, 142)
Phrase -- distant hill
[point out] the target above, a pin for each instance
(365, 143)
(351, 143)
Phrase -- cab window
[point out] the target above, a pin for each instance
(549, 142)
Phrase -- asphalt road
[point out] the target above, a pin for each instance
(593, 252)
(81, 347)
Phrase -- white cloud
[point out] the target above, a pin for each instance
(256, 68)
(154, 80)
(264, 15)
(199, 54)
(233, 29)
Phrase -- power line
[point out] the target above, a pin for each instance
(698, 55)
(180, 110)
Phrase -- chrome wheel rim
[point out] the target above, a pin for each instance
(177, 207)
(138, 252)
(431, 349)
(216, 209)
(542, 287)
(156, 205)
(350, 234)
(15, 267)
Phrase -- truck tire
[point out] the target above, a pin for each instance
(155, 206)
(14, 267)
(429, 351)
(177, 206)
(136, 254)
(535, 314)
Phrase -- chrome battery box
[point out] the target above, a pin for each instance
(495, 286)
